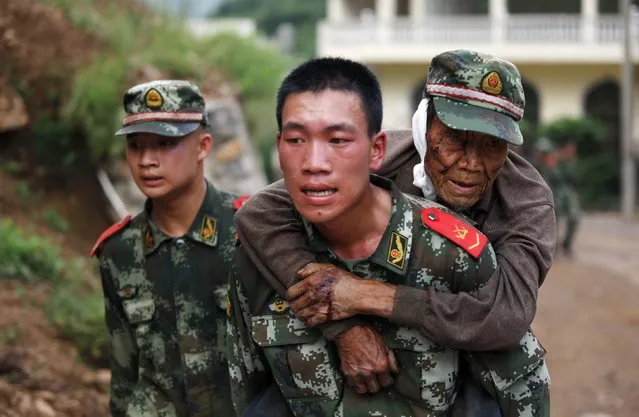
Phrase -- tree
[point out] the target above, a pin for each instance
(270, 14)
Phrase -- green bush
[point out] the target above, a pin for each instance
(597, 164)
(12, 166)
(257, 70)
(95, 104)
(75, 306)
(55, 221)
(589, 134)
(92, 111)
(27, 257)
(53, 141)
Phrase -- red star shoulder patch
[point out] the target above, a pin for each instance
(113, 229)
(456, 230)
(239, 202)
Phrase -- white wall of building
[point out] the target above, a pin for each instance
(398, 83)
(562, 88)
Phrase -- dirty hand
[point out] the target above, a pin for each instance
(324, 293)
(366, 361)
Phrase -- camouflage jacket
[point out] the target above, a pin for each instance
(266, 340)
(165, 300)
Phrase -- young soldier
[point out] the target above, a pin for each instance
(164, 272)
(329, 113)
(466, 121)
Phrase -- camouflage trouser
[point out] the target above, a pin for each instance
(269, 403)
(567, 206)
(149, 402)
(518, 379)
(528, 396)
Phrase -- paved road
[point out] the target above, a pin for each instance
(609, 242)
(588, 319)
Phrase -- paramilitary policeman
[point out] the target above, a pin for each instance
(164, 272)
(329, 113)
(457, 153)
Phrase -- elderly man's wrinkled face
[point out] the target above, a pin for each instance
(462, 164)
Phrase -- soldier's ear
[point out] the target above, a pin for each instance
(205, 144)
(378, 150)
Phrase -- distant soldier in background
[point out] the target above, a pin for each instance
(567, 200)
(164, 272)
(545, 160)
(557, 166)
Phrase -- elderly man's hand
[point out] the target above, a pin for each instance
(325, 293)
(366, 361)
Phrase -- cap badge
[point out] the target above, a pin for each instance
(491, 83)
(153, 99)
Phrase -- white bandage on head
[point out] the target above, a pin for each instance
(420, 177)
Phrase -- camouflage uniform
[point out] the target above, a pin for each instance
(477, 92)
(266, 340)
(165, 297)
(561, 179)
(567, 202)
(483, 93)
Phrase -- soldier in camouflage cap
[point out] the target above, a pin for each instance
(164, 272)
(477, 92)
(558, 167)
(171, 108)
(474, 173)
(399, 249)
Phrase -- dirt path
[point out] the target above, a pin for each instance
(588, 319)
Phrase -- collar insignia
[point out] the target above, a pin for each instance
(207, 231)
(397, 250)
(149, 240)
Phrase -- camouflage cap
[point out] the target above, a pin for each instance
(544, 144)
(167, 108)
(477, 92)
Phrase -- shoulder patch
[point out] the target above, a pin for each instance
(113, 229)
(239, 202)
(455, 229)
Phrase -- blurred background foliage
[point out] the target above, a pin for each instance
(73, 303)
(82, 129)
(75, 107)
(269, 15)
(597, 165)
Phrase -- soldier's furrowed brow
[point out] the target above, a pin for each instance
(292, 126)
(340, 127)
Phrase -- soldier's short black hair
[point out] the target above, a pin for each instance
(339, 74)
